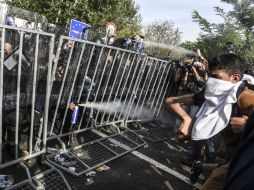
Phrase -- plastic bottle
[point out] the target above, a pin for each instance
(59, 159)
(6, 181)
(72, 169)
(69, 164)
(74, 117)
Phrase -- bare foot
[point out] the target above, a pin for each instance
(185, 126)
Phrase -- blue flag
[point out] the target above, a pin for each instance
(78, 29)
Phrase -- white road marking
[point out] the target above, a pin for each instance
(164, 168)
(156, 170)
(156, 164)
(168, 185)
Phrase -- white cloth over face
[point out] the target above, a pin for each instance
(214, 115)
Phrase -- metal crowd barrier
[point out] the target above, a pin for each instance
(90, 73)
(150, 91)
(47, 177)
(115, 85)
(81, 159)
(25, 72)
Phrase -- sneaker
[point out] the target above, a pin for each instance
(196, 170)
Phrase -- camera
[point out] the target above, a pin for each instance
(179, 65)
(189, 68)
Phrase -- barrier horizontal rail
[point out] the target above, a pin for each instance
(25, 74)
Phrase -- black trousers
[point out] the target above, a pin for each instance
(10, 128)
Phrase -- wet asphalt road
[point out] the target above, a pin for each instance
(133, 173)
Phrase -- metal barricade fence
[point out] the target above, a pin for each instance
(115, 85)
(170, 88)
(162, 88)
(125, 91)
(87, 72)
(25, 72)
(149, 92)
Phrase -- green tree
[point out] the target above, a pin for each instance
(124, 13)
(236, 28)
(161, 32)
(189, 45)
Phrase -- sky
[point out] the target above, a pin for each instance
(179, 11)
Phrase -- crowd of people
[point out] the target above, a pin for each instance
(219, 98)
(214, 104)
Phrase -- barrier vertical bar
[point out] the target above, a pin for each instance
(163, 85)
(54, 69)
(62, 86)
(89, 92)
(58, 52)
(73, 84)
(48, 91)
(33, 93)
(135, 90)
(164, 96)
(121, 79)
(158, 86)
(154, 82)
(142, 105)
(144, 85)
(18, 94)
(1, 92)
(113, 86)
(83, 82)
(125, 83)
(100, 81)
(110, 72)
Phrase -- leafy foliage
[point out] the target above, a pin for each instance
(237, 28)
(203, 23)
(124, 13)
(161, 32)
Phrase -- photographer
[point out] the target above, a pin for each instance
(195, 76)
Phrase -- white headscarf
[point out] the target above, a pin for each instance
(214, 115)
